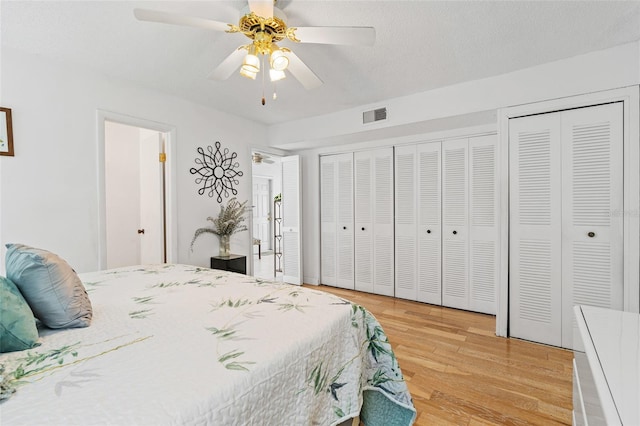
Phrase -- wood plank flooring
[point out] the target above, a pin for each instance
(460, 373)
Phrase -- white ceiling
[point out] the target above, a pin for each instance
(420, 45)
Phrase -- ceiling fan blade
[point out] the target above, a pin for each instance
(175, 19)
(228, 66)
(355, 36)
(263, 8)
(302, 72)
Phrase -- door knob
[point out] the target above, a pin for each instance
(344, 227)
(591, 234)
(140, 231)
(363, 228)
(455, 232)
(428, 231)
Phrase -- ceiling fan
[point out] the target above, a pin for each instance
(265, 25)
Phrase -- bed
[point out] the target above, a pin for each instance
(177, 344)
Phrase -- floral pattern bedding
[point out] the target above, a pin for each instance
(177, 344)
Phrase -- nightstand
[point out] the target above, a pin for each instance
(232, 263)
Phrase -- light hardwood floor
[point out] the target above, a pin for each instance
(460, 373)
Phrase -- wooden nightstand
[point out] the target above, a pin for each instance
(232, 263)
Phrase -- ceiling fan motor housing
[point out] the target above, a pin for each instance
(264, 31)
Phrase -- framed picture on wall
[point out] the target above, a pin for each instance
(6, 132)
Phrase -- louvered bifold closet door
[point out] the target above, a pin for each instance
(345, 243)
(592, 210)
(429, 223)
(291, 220)
(535, 228)
(484, 229)
(455, 283)
(364, 233)
(328, 219)
(406, 253)
(383, 239)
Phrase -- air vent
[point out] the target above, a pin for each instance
(374, 115)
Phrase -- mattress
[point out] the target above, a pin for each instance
(177, 344)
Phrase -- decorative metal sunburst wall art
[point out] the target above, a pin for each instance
(218, 172)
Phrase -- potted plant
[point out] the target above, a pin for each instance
(228, 222)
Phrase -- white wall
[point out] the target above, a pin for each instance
(595, 71)
(49, 189)
(447, 112)
(122, 172)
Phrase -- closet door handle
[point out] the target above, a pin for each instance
(428, 231)
(455, 232)
(591, 234)
(344, 227)
(363, 228)
(140, 231)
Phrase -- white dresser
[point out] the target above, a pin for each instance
(606, 367)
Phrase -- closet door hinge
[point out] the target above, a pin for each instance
(162, 157)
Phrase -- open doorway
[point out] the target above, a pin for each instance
(136, 184)
(266, 186)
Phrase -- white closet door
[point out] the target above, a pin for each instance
(405, 233)
(291, 235)
(383, 240)
(328, 219)
(429, 287)
(592, 211)
(483, 224)
(535, 228)
(344, 240)
(364, 232)
(455, 284)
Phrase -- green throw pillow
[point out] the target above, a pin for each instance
(50, 286)
(17, 325)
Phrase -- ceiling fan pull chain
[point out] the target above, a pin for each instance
(263, 73)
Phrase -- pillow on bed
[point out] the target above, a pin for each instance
(49, 285)
(17, 325)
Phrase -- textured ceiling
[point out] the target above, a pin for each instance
(420, 45)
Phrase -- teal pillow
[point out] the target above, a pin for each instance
(17, 325)
(50, 286)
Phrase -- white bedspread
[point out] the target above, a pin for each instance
(181, 345)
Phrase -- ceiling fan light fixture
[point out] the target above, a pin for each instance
(251, 63)
(248, 74)
(278, 59)
(276, 75)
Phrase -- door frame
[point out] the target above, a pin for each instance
(630, 97)
(171, 225)
(273, 152)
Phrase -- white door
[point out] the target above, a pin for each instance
(134, 196)
(484, 230)
(291, 220)
(337, 220)
(535, 198)
(122, 192)
(374, 241)
(328, 220)
(406, 253)
(262, 213)
(344, 216)
(428, 232)
(566, 239)
(592, 188)
(455, 237)
(363, 211)
(151, 228)
(382, 214)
